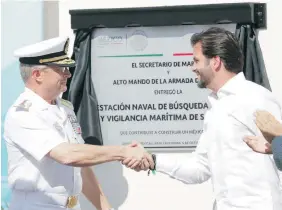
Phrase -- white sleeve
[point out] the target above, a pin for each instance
(31, 134)
(190, 170)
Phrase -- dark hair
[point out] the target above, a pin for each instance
(220, 42)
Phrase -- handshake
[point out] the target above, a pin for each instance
(136, 157)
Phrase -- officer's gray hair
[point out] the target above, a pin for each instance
(26, 70)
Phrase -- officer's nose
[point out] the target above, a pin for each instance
(67, 73)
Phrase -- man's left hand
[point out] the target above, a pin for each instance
(258, 144)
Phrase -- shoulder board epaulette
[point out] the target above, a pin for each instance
(24, 106)
(66, 103)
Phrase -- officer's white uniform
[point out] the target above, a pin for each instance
(32, 128)
(242, 179)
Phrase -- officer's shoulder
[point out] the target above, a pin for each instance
(66, 103)
(20, 113)
(22, 105)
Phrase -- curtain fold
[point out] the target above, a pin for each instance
(81, 90)
(254, 67)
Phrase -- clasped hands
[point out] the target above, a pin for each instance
(137, 158)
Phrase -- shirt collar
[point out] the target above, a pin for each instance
(36, 100)
(230, 87)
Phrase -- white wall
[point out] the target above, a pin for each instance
(129, 190)
(271, 46)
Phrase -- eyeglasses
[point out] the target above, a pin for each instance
(61, 69)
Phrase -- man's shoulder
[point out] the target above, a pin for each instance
(22, 110)
(253, 87)
(21, 104)
(20, 114)
(253, 93)
(254, 97)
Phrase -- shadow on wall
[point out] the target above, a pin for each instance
(5, 191)
(11, 85)
(114, 184)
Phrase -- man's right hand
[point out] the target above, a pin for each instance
(146, 160)
(134, 154)
(268, 125)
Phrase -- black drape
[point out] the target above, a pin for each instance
(81, 90)
(254, 68)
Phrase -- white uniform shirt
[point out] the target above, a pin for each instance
(32, 128)
(242, 179)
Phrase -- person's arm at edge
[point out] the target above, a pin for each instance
(277, 151)
(92, 190)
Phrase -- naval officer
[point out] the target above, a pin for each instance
(49, 164)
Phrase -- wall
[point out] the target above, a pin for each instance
(127, 189)
(21, 24)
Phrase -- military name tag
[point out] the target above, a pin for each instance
(74, 123)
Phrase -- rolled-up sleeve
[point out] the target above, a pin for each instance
(190, 170)
(31, 134)
(277, 151)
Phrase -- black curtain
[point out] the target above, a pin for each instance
(81, 90)
(254, 68)
(82, 94)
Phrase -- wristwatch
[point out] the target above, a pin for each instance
(155, 161)
(154, 168)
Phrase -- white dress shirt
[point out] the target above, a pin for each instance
(241, 179)
(32, 128)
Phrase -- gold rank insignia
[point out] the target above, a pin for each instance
(71, 202)
(66, 61)
(66, 48)
(66, 103)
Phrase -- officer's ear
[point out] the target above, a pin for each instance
(38, 74)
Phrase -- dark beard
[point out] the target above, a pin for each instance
(201, 84)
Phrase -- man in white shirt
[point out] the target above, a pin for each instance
(242, 179)
(49, 166)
